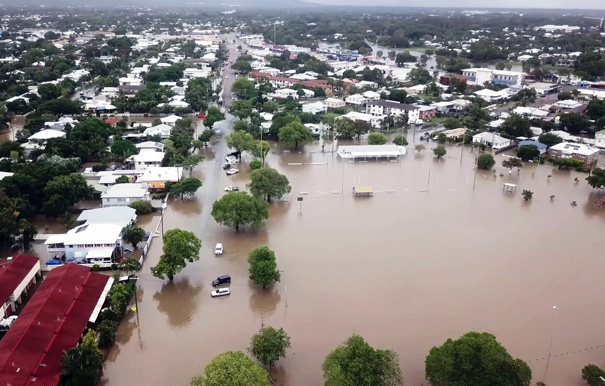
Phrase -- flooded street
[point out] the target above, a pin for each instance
(427, 258)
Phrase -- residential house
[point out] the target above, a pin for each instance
(541, 147)
(118, 215)
(87, 244)
(170, 120)
(285, 93)
(124, 194)
(146, 159)
(314, 108)
(491, 96)
(374, 120)
(356, 100)
(151, 146)
(51, 323)
(492, 140)
(17, 275)
(371, 95)
(385, 107)
(157, 177)
(600, 139)
(577, 151)
(334, 103)
(162, 130)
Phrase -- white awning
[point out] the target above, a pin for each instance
(99, 253)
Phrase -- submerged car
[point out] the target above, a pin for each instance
(7, 322)
(231, 189)
(220, 292)
(218, 249)
(223, 279)
(227, 166)
(231, 172)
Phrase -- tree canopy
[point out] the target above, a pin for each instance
(439, 151)
(133, 234)
(475, 359)
(377, 139)
(269, 344)
(485, 161)
(236, 209)
(528, 152)
(263, 267)
(232, 368)
(268, 183)
(180, 247)
(596, 179)
(295, 133)
(186, 187)
(355, 362)
(240, 141)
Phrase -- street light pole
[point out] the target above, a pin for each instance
(164, 205)
(552, 335)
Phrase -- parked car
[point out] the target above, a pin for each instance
(220, 292)
(218, 249)
(230, 160)
(231, 172)
(223, 279)
(7, 322)
(53, 262)
(200, 116)
(231, 189)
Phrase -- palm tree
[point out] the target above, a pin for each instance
(81, 365)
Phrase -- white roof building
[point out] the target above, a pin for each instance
(45, 135)
(162, 130)
(371, 151)
(146, 159)
(121, 215)
(493, 140)
(124, 194)
(170, 120)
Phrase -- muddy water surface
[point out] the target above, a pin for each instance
(427, 258)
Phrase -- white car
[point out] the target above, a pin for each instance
(218, 249)
(231, 189)
(220, 292)
(231, 172)
(7, 322)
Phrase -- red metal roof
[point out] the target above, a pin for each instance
(12, 273)
(53, 321)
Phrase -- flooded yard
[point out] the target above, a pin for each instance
(427, 258)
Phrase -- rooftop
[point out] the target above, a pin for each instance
(393, 105)
(119, 215)
(12, 273)
(44, 135)
(173, 174)
(369, 151)
(574, 148)
(95, 233)
(52, 322)
(126, 190)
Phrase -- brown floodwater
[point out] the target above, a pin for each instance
(427, 258)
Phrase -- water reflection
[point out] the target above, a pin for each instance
(179, 301)
(264, 301)
(189, 207)
(279, 374)
(595, 204)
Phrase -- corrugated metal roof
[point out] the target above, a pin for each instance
(13, 272)
(52, 322)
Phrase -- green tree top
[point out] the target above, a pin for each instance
(180, 247)
(355, 362)
(232, 368)
(475, 359)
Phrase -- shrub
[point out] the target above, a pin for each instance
(256, 164)
(142, 206)
(107, 333)
(485, 161)
(96, 267)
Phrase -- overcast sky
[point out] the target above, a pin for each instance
(569, 4)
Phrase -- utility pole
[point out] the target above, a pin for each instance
(552, 335)
(274, 33)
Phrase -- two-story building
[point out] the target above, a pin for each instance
(479, 76)
(385, 107)
(146, 159)
(334, 103)
(599, 137)
(589, 155)
(124, 194)
(87, 244)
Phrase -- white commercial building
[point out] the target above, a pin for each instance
(478, 77)
(371, 151)
(374, 120)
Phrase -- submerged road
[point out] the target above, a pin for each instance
(211, 182)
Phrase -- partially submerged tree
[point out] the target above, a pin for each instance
(400, 140)
(232, 368)
(355, 362)
(180, 247)
(377, 139)
(485, 161)
(269, 344)
(295, 133)
(236, 209)
(439, 151)
(80, 365)
(133, 234)
(268, 183)
(263, 267)
(475, 359)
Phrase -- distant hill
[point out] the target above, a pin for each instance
(160, 4)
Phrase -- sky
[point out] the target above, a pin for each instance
(567, 4)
